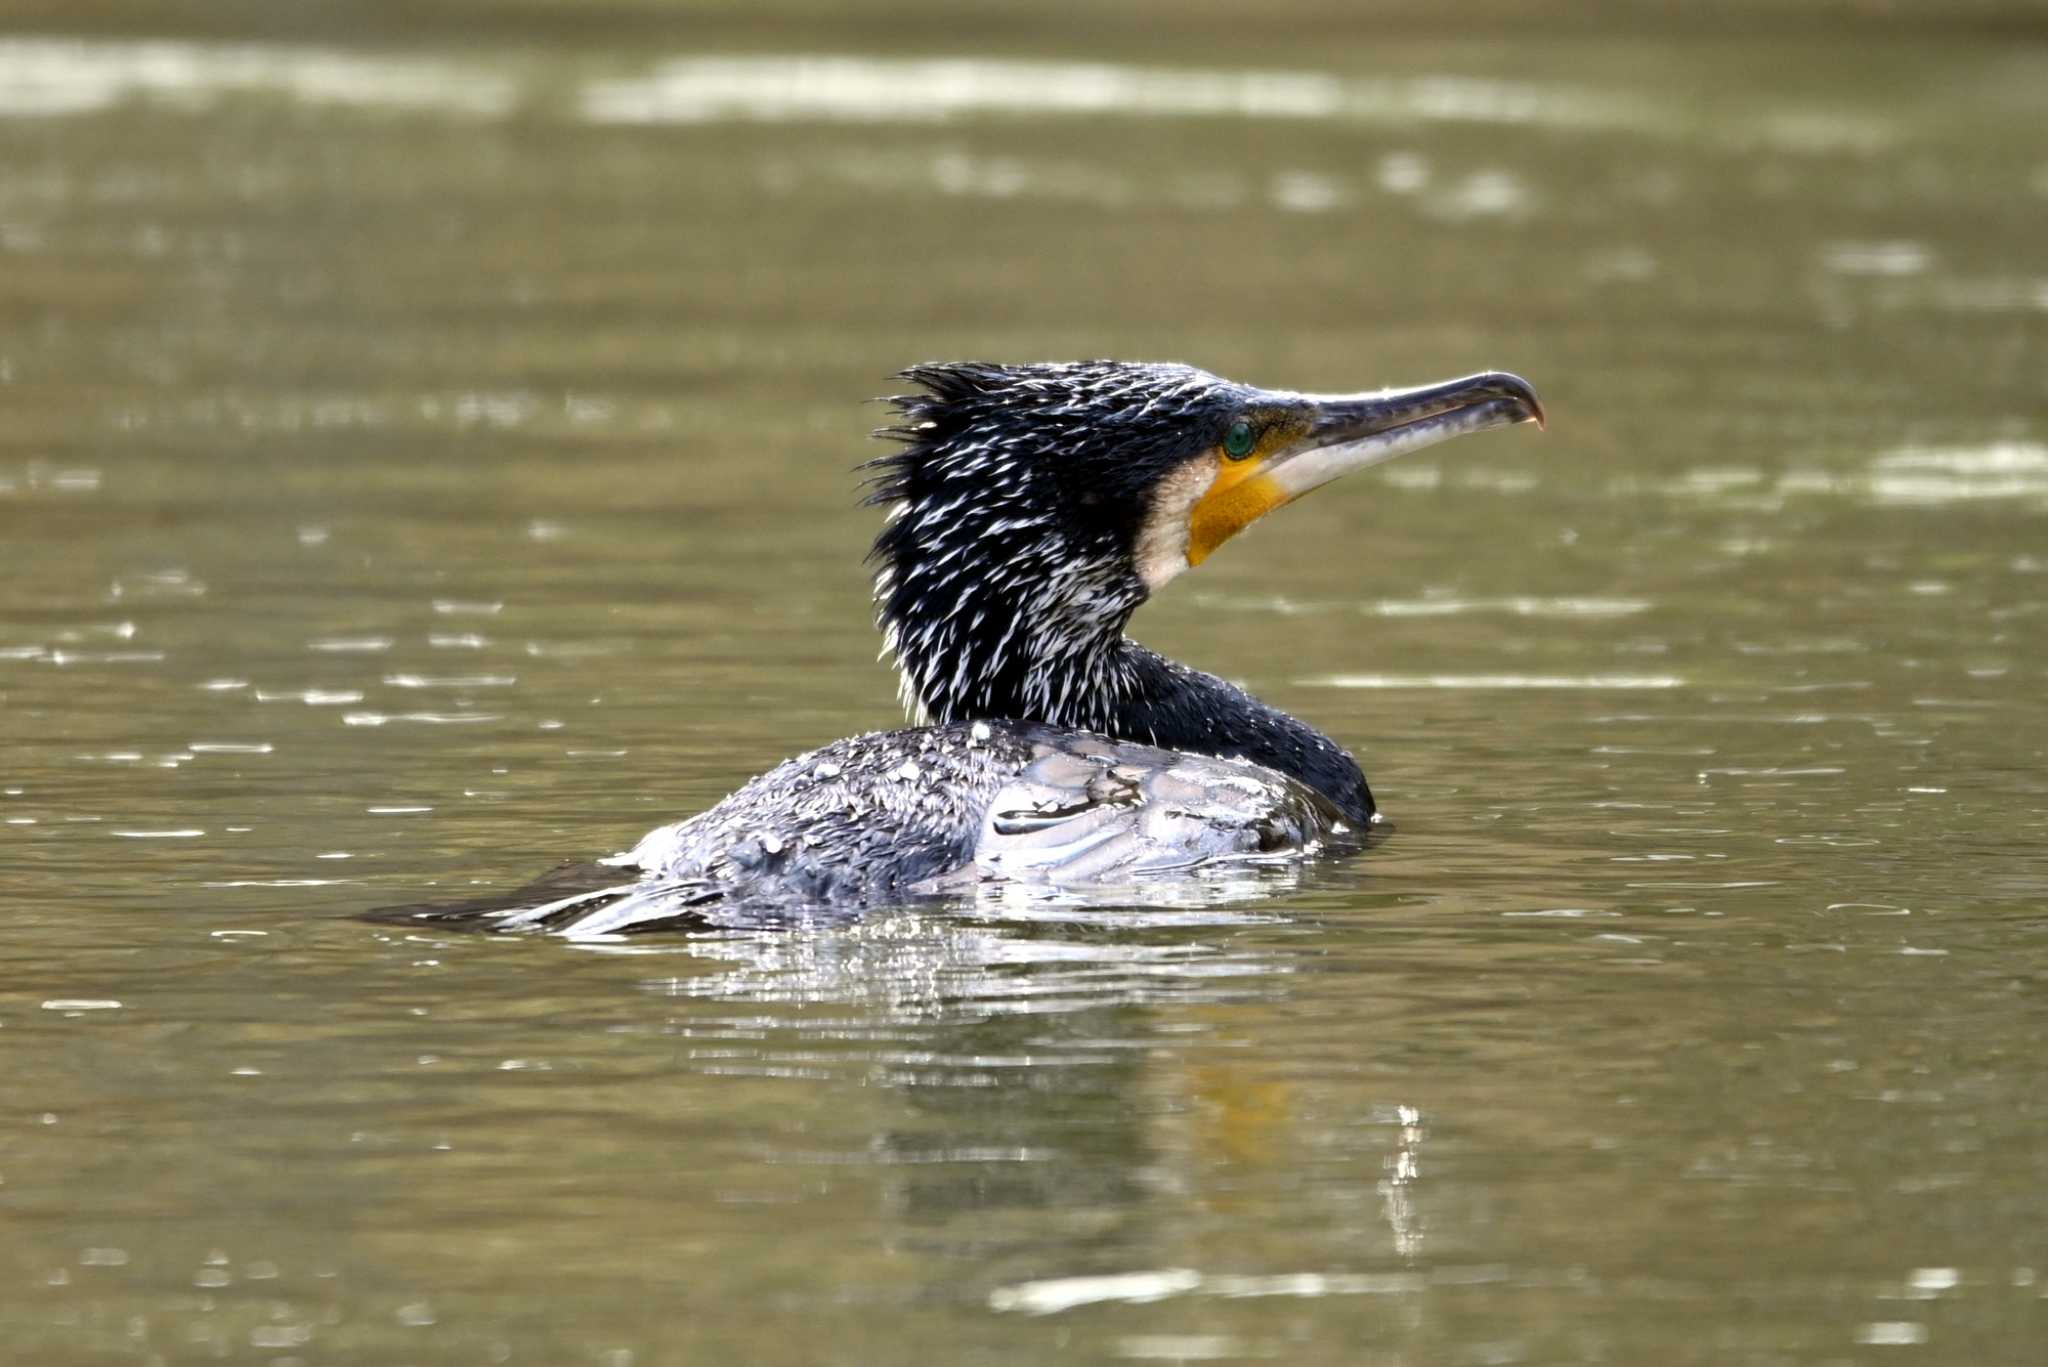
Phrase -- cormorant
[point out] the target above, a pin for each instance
(1030, 510)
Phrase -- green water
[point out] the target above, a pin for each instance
(426, 458)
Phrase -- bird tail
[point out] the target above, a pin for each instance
(578, 900)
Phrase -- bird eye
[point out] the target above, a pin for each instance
(1237, 442)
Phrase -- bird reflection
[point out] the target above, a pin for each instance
(1003, 948)
(1025, 1052)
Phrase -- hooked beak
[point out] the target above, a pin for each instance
(1347, 432)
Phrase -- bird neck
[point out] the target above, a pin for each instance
(1118, 688)
(1179, 708)
(996, 618)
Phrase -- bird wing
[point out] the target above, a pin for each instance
(1088, 809)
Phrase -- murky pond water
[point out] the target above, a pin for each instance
(419, 467)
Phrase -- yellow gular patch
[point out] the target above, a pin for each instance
(1242, 494)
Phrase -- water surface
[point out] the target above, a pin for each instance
(425, 463)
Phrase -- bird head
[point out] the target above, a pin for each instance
(1033, 508)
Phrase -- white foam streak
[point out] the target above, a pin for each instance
(70, 77)
(1480, 682)
(775, 89)
(1057, 1294)
(1933, 476)
(51, 77)
(1053, 1295)
(1997, 458)
(1519, 607)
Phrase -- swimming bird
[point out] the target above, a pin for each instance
(1030, 510)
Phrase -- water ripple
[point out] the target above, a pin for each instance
(50, 78)
(1493, 681)
(53, 77)
(1934, 476)
(865, 89)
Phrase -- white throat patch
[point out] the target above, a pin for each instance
(1162, 549)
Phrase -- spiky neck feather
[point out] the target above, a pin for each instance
(1005, 572)
(1004, 575)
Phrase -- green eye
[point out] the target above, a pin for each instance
(1237, 442)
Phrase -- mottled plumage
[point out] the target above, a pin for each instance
(1031, 510)
(896, 815)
